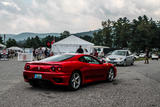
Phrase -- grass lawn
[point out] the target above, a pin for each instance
(140, 59)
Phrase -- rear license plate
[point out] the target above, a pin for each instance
(38, 76)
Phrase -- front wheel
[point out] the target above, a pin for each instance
(111, 74)
(132, 62)
(75, 81)
(125, 63)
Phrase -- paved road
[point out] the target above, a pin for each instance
(135, 86)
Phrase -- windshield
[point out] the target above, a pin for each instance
(122, 53)
(57, 58)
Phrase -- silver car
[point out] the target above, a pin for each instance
(120, 57)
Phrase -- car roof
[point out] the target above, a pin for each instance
(77, 54)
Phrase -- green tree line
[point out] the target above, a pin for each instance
(135, 35)
(35, 42)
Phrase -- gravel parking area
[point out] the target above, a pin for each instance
(135, 86)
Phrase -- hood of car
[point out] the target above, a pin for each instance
(115, 56)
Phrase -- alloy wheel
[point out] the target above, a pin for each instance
(75, 80)
(110, 75)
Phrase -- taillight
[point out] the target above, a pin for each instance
(59, 68)
(53, 68)
(27, 67)
(56, 67)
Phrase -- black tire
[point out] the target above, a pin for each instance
(75, 81)
(132, 63)
(34, 84)
(110, 75)
(125, 63)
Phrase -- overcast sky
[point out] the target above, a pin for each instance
(42, 16)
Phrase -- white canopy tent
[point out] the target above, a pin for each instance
(70, 45)
(15, 48)
(2, 46)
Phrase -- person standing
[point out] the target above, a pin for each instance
(40, 53)
(36, 54)
(95, 53)
(146, 56)
(80, 50)
(46, 53)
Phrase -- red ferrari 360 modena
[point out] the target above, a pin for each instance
(72, 70)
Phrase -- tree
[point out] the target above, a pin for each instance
(97, 38)
(104, 36)
(35, 42)
(144, 34)
(65, 34)
(28, 43)
(87, 38)
(107, 33)
(47, 39)
(11, 42)
(121, 33)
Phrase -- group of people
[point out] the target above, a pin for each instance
(40, 53)
(8, 53)
(80, 50)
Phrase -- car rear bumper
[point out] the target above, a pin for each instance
(55, 78)
(155, 57)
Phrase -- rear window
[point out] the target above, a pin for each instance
(58, 58)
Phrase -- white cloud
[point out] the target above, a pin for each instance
(10, 4)
(74, 15)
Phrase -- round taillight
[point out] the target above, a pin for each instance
(28, 67)
(59, 68)
(52, 68)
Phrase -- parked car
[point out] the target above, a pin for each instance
(72, 70)
(109, 53)
(142, 55)
(120, 57)
(155, 56)
(135, 56)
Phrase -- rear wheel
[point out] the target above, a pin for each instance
(33, 83)
(111, 74)
(75, 81)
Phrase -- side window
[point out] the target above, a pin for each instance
(82, 59)
(91, 60)
(127, 54)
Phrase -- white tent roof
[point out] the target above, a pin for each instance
(73, 40)
(1, 45)
(15, 48)
(71, 44)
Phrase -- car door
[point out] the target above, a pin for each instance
(96, 68)
(128, 58)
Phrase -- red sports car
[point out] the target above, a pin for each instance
(72, 70)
